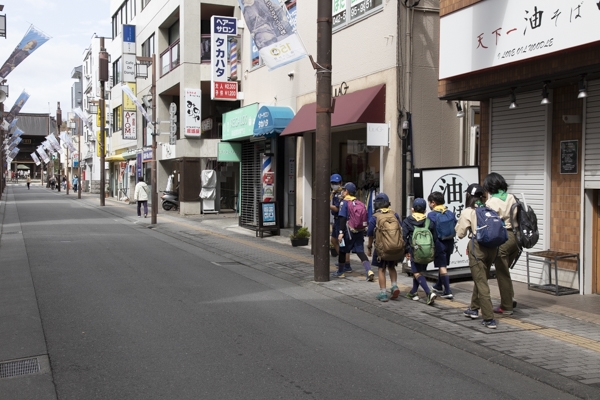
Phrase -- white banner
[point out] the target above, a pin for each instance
(270, 25)
(492, 33)
(193, 101)
(35, 159)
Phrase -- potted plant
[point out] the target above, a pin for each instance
(300, 237)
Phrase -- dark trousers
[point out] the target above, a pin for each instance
(139, 204)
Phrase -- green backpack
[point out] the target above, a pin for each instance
(422, 244)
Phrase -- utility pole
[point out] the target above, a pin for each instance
(58, 123)
(154, 177)
(103, 78)
(323, 140)
(2, 133)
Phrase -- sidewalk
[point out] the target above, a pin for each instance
(554, 339)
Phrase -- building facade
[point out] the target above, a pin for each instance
(534, 68)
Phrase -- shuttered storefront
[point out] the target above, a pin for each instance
(251, 183)
(592, 137)
(519, 152)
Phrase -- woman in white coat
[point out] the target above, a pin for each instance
(141, 194)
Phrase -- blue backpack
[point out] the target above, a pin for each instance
(445, 224)
(491, 231)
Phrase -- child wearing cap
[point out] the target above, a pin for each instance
(417, 218)
(382, 209)
(444, 246)
(480, 258)
(351, 240)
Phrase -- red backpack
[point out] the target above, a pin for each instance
(357, 215)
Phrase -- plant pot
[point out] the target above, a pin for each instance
(299, 242)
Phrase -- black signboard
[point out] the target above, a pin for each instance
(569, 156)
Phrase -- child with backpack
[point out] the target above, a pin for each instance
(480, 257)
(502, 202)
(351, 236)
(334, 206)
(419, 238)
(385, 229)
(445, 221)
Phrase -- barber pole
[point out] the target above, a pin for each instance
(268, 179)
(233, 59)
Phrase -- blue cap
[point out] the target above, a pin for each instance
(419, 204)
(350, 187)
(335, 178)
(383, 197)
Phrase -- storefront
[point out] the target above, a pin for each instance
(351, 157)
(537, 81)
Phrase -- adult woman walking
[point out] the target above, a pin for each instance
(140, 194)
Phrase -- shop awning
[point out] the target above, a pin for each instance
(117, 157)
(272, 120)
(362, 106)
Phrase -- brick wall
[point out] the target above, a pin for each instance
(565, 211)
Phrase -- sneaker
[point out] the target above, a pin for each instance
(448, 295)
(370, 276)
(514, 304)
(431, 298)
(395, 292)
(382, 297)
(437, 290)
(471, 313)
(338, 274)
(412, 296)
(499, 310)
(347, 268)
(489, 323)
(145, 215)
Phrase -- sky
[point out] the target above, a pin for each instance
(46, 73)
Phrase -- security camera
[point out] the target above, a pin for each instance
(291, 74)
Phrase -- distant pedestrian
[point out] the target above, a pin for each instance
(28, 181)
(418, 219)
(64, 183)
(501, 202)
(480, 258)
(445, 222)
(386, 232)
(75, 182)
(140, 194)
(351, 236)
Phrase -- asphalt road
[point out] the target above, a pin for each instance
(131, 313)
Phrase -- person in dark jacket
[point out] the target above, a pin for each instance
(417, 218)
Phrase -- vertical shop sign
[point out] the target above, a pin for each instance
(221, 86)
(129, 125)
(268, 178)
(193, 115)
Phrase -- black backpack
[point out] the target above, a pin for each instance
(524, 224)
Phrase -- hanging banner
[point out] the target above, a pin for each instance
(32, 40)
(15, 110)
(268, 179)
(193, 101)
(127, 90)
(270, 26)
(83, 117)
(128, 104)
(40, 150)
(35, 159)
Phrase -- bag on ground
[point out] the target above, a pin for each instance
(357, 215)
(445, 224)
(491, 231)
(389, 243)
(524, 224)
(422, 244)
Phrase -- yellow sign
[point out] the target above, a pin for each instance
(128, 104)
(99, 142)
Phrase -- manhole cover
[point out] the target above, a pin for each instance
(19, 367)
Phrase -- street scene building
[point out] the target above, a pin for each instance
(534, 69)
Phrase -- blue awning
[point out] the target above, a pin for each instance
(271, 120)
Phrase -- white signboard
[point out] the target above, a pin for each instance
(128, 67)
(193, 113)
(221, 29)
(378, 135)
(452, 183)
(492, 33)
(129, 125)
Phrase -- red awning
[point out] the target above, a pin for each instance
(362, 106)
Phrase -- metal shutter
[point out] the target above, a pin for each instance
(519, 152)
(251, 184)
(592, 137)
